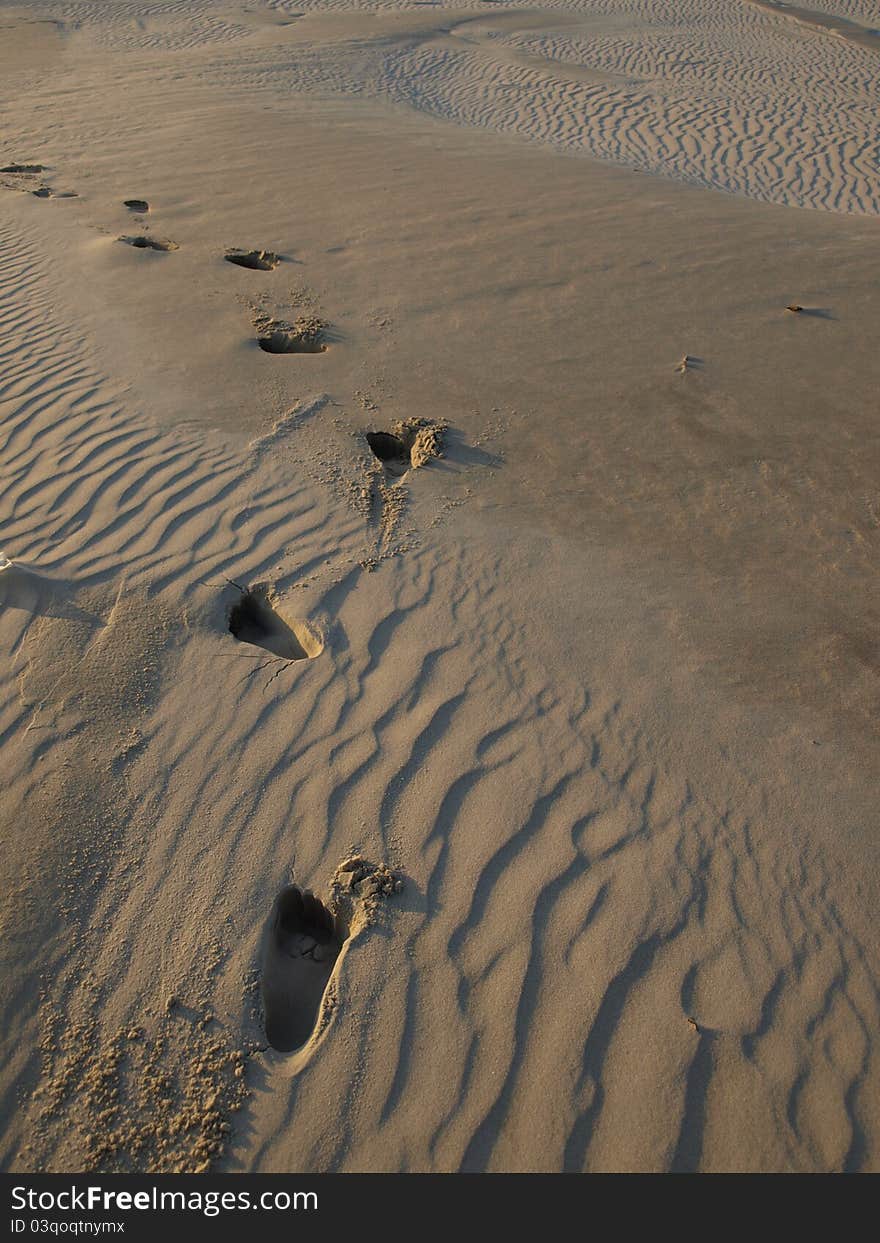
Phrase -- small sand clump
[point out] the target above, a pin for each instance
(356, 877)
(135, 1102)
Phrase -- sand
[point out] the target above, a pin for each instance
(563, 703)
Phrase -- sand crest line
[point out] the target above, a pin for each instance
(827, 23)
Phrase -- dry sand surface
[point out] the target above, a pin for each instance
(560, 693)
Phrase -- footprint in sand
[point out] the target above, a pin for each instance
(255, 260)
(410, 444)
(139, 205)
(306, 336)
(23, 168)
(303, 940)
(255, 619)
(302, 943)
(46, 192)
(142, 242)
(390, 450)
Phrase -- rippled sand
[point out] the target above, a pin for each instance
(580, 645)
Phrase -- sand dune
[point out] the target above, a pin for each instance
(488, 596)
(831, 24)
(722, 96)
(719, 96)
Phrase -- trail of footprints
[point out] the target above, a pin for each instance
(304, 937)
(410, 444)
(20, 177)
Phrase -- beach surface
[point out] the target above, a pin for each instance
(490, 548)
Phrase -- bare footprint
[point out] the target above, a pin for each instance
(306, 336)
(412, 443)
(390, 450)
(255, 619)
(150, 243)
(303, 940)
(302, 943)
(46, 192)
(255, 260)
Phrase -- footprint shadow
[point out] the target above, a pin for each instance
(391, 452)
(816, 312)
(459, 454)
